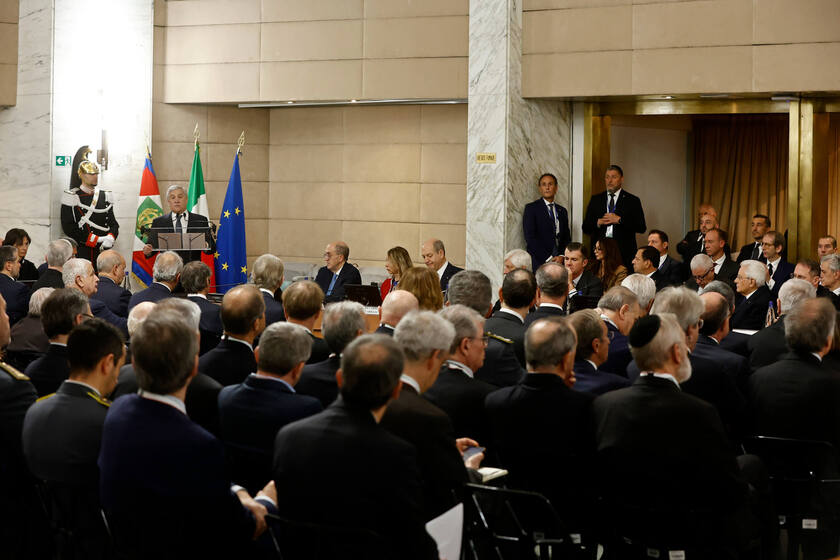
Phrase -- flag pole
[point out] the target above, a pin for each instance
(196, 135)
(240, 143)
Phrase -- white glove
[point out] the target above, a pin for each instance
(107, 241)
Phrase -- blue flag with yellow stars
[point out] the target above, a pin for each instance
(231, 256)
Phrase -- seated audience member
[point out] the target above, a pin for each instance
(18, 238)
(517, 294)
(516, 258)
(16, 294)
(644, 288)
(425, 285)
(195, 279)
(166, 273)
(669, 268)
(395, 306)
(61, 311)
(268, 277)
(457, 391)
(644, 263)
(715, 244)
(581, 281)
(343, 321)
(29, 341)
(336, 272)
(425, 339)
(58, 252)
(501, 368)
(434, 255)
(593, 347)
(619, 310)
(751, 308)
(734, 341)
(379, 487)
(127, 380)
(397, 261)
(826, 246)
(714, 329)
(693, 242)
(544, 397)
(243, 316)
(608, 266)
(251, 413)
(809, 270)
(79, 274)
(778, 268)
(830, 276)
(686, 486)
(768, 345)
(552, 290)
(188, 465)
(111, 267)
(702, 272)
(302, 303)
(759, 225)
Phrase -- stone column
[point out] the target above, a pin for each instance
(528, 138)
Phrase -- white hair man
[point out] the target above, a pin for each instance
(80, 275)
(59, 252)
(644, 287)
(751, 309)
(166, 273)
(768, 345)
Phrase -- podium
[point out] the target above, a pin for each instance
(168, 240)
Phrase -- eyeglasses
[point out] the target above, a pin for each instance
(701, 276)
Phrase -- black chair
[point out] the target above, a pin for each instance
(300, 540)
(20, 359)
(248, 466)
(76, 521)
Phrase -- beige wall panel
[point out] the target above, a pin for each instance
(692, 24)
(311, 40)
(443, 204)
(213, 44)
(253, 163)
(225, 124)
(443, 124)
(415, 8)
(303, 238)
(381, 202)
(371, 240)
(397, 124)
(387, 163)
(564, 4)
(309, 10)
(172, 161)
(210, 12)
(306, 163)
(416, 78)
(176, 123)
(454, 238)
(417, 37)
(8, 43)
(256, 234)
(580, 29)
(8, 84)
(796, 67)
(305, 201)
(443, 163)
(211, 83)
(568, 74)
(160, 12)
(159, 45)
(324, 80)
(9, 10)
(307, 125)
(158, 82)
(255, 195)
(698, 70)
(804, 21)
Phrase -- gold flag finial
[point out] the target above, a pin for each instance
(240, 142)
(196, 134)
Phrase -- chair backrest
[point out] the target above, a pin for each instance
(796, 459)
(299, 540)
(248, 466)
(76, 520)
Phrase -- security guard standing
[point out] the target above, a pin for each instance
(87, 213)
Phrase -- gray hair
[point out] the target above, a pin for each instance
(58, 252)
(794, 291)
(107, 260)
(519, 258)
(683, 303)
(420, 333)
(73, 268)
(470, 288)
(722, 288)
(282, 347)
(188, 309)
(464, 319)
(548, 348)
(616, 297)
(643, 286)
(268, 272)
(37, 300)
(163, 348)
(167, 267)
(809, 325)
(175, 188)
(138, 314)
(701, 261)
(654, 354)
(553, 279)
(755, 270)
(341, 324)
(833, 262)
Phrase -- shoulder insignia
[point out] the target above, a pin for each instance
(101, 400)
(13, 372)
(44, 397)
(499, 338)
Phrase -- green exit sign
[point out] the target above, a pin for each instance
(63, 161)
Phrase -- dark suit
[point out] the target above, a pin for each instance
(734, 365)
(542, 312)
(690, 246)
(747, 253)
(153, 293)
(101, 311)
(672, 270)
(751, 313)
(273, 309)
(318, 380)
(541, 241)
(250, 414)
(660, 280)
(195, 223)
(462, 399)
(451, 270)
(348, 274)
(629, 208)
(511, 327)
(28, 336)
(28, 272)
(51, 278)
(387, 330)
(781, 274)
(501, 366)
(50, 370)
(588, 285)
(428, 428)
(210, 325)
(768, 345)
(728, 271)
(619, 355)
(228, 363)
(16, 295)
(114, 296)
(595, 381)
(822, 291)
(320, 350)
(379, 487)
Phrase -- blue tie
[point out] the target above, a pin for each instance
(332, 284)
(611, 207)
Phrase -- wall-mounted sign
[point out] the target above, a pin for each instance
(63, 161)
(485, 157)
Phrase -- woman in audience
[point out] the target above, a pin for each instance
(20, 239)
(607, 263)
(425, 285)
(397, 262)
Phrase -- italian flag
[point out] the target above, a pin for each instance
(197, 204)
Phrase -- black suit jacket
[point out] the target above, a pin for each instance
(660, 280)
(195, 223)
(728, 271)
(672, 270)
(629, 207)
(16, 295)
(28, 336)
(501, 366)
(101, 311)
(690, 246)
(768, 345)
(595, 381)
(348, 274)
(210, 325)
(50, 370)
(542, 312)
(320, 350)
(154, 293)
(273, 309)
(588, 285)
(429, 430)
(16, 396)
(781, 274)
(751, 313)
(387, 330)
(451, 270)
(51, 278)
(747, 251)
(538, 225)
(228, 363)
(509, 326)
(115, 297)
(318, 380)
(379, 489)
(619, 355)
(462, 399)
(734, 365)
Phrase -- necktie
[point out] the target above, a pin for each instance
(611, 207)
(178, 228)
(553, 212)
(770, 269)
(332, 284)
(755, 252)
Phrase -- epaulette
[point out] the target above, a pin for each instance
(101, 400)
(13, 372)
(497, 337)
(44, 397)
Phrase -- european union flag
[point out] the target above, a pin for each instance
(231, 256)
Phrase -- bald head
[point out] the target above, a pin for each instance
(138, 314)
(550, 347)
(433, 253)
(243, 311)
(715, 315)
(396, 305)
(111, 264)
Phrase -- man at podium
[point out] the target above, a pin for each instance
(178, 220)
